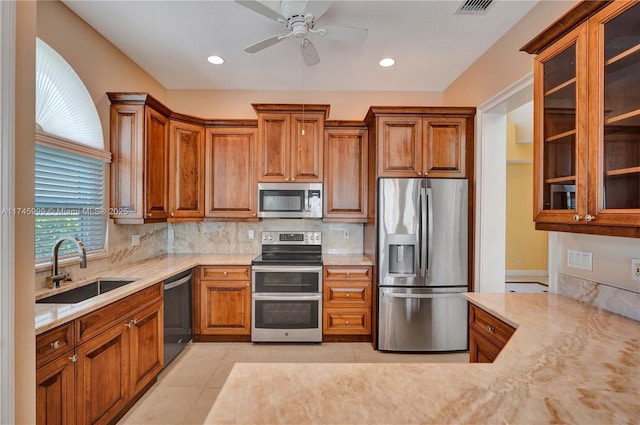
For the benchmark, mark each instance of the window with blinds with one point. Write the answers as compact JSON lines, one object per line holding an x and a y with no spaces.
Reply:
{"x":69,"y":201}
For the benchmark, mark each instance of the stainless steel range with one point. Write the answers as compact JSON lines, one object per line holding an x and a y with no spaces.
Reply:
{"x":287,"y":288}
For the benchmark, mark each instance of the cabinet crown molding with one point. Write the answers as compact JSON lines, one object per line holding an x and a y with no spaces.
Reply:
{"x":419,"y":110}
{"x":291,"y":107}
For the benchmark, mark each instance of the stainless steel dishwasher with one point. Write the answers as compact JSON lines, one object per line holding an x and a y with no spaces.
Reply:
{"x":178,"y":312}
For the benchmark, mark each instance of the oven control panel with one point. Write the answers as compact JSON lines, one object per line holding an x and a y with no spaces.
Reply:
{"x":291,"y":238}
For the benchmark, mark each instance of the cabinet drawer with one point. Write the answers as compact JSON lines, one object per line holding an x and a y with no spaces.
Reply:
{"x":347,"y":294}
{"x":491,"y":327}
{"x":347,"y":321}
{"x":120,"y":311}
{"x":347,"y":273}
{"x":54,"y":343}
{"x":225,"y":273}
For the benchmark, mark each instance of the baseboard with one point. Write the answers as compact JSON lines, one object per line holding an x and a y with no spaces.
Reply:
{"x":526,"y":273}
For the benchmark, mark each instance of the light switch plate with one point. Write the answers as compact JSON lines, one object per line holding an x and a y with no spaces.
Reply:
{"x":582,"y":260}
{"x":135,"y":240}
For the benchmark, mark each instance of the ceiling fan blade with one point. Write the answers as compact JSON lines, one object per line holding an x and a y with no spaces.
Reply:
{"x":309,"y":53}
{"x":261,"y":9}
{"x":264,"y":43}
{"x":344,"y":33}
{"x":317,"y":8}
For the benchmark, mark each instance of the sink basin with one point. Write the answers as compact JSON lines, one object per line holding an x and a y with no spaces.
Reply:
{"x":85,"y":292}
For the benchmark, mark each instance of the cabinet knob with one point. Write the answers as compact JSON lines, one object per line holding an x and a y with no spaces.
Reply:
{"x":589,"y":218}
{"x":225,"y":273}
{"x":287,"y":179}
{"x":172,"y":214}
{"x":131,"y":323}
{"x":348,"y":295}
{"x":74,"y":358}
{"x":346,"y":322}
{"x":577,"y":217}
{"x":248,"y":283}
{"x":490,"y":328}
{"x":55,"y":345}
{"x":347,"y":274}
{"x":419,"y":173}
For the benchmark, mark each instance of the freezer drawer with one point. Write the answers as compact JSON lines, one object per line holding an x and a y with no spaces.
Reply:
{"x":418,"y":319}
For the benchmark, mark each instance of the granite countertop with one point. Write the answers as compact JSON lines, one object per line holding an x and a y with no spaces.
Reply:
{"x":147,"y":273}
{"x":567,"y":362}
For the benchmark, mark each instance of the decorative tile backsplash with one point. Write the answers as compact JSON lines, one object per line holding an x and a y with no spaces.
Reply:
{"x":620,"y":301}
{"x":233,"y":237}
{"x":206,"y":238}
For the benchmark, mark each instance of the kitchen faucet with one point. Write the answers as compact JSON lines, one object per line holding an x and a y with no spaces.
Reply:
{"x":53,"y":281}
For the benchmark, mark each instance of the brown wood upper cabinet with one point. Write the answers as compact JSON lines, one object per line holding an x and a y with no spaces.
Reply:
{"x":290,"y":142}
{"x":140,"y":149}
{"x":421,"y":142}
{"x":345,"y":174}
{"x":230,"y":182}
{"x":587,"y":121}
{"x":186,"y":171}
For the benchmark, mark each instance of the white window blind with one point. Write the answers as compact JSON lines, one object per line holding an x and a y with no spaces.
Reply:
{"x":69,"y":192}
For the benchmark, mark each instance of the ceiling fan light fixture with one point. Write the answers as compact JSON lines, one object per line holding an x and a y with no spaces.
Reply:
{"x":216,"y":60}
{"x":387,"y":62}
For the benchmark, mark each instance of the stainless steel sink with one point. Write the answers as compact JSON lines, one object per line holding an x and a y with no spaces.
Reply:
{"x":85,"y":292}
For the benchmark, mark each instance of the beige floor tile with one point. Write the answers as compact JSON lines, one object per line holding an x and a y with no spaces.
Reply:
{"x":220,"y":374}
{"x":190,"y":372}
{"x":164,"y":405}
{"x":198,"y":413}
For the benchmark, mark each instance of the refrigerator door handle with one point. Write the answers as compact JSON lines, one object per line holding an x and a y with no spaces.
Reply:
{"x":423,"y":232}
{"x":429,"y":230}
{"x":412,"y":296}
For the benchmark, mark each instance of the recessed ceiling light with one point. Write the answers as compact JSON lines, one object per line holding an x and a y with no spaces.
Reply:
{"x":387,"y":62}
{"x":216,"y":60}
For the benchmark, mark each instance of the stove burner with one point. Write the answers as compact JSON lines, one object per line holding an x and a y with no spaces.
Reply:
{"x":290,"y":248}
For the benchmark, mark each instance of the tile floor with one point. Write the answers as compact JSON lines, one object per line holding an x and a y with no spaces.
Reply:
{"x":188,"y":387}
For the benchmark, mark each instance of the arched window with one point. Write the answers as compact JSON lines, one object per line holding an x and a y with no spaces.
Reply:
{"x":70,"y":159}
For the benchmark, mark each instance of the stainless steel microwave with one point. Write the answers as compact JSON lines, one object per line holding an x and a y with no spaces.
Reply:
{"x":290,"y":200}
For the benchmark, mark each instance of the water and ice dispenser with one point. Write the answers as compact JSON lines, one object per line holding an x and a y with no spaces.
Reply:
{"x":401,"y":251}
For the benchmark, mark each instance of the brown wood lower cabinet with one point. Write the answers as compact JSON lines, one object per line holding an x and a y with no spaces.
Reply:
{"x":347,"y":303}
{"x":223,"y":303}
{"x":90,"y":370}
{"x":487,"y":335}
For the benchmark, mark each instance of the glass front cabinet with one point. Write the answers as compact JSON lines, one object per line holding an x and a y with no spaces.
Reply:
{"x":587,"y":122}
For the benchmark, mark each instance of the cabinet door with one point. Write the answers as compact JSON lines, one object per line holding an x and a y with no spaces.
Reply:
{"x":614,"y":137}
{"x":274,"y":132}
{"x":156,"y":153}
{"x":55,"y":392}
{"x":230,"y":183}
{"x":345,"y":176}
{"x":306,"y":147}
{"x":146,"y":346}
{"x":480,"y":349}
{"x":560,"y":124}
{"x":127,"y":162}
{"x":225,"y":307}
{"x":444,"y":147}
{"x":399,"y":146}
{"x":103,"y":376}
{"x":186,"y":171}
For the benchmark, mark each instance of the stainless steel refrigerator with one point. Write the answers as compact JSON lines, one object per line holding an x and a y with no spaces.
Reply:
{"x":422,"y":257}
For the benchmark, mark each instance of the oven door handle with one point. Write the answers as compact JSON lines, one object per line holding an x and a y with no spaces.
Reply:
{"x":287,"y":297}
{"x":285,"y":269}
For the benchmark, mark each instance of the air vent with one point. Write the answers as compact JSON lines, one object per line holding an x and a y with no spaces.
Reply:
{"x":474,"y":7}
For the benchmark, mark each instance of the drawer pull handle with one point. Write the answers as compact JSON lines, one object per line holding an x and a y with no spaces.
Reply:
{"x":55,"y":345}
{"x":74,"y":358}
{"x":490,"y":328}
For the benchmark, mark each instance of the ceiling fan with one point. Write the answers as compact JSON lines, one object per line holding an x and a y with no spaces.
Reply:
{"x":300,"y":19}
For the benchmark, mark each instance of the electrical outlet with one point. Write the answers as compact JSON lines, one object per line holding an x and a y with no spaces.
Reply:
{"x":345,"y":234}
{"x":635,"y":269}
{"x":251,"y":234}
{"x":170,"y":232}
{"x":135,"y":240}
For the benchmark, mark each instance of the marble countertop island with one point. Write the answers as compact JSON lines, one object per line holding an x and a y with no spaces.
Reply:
{"x":567,"y":362}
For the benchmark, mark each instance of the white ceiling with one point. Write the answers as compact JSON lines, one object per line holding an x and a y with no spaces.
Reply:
{"x":172,"y":39}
